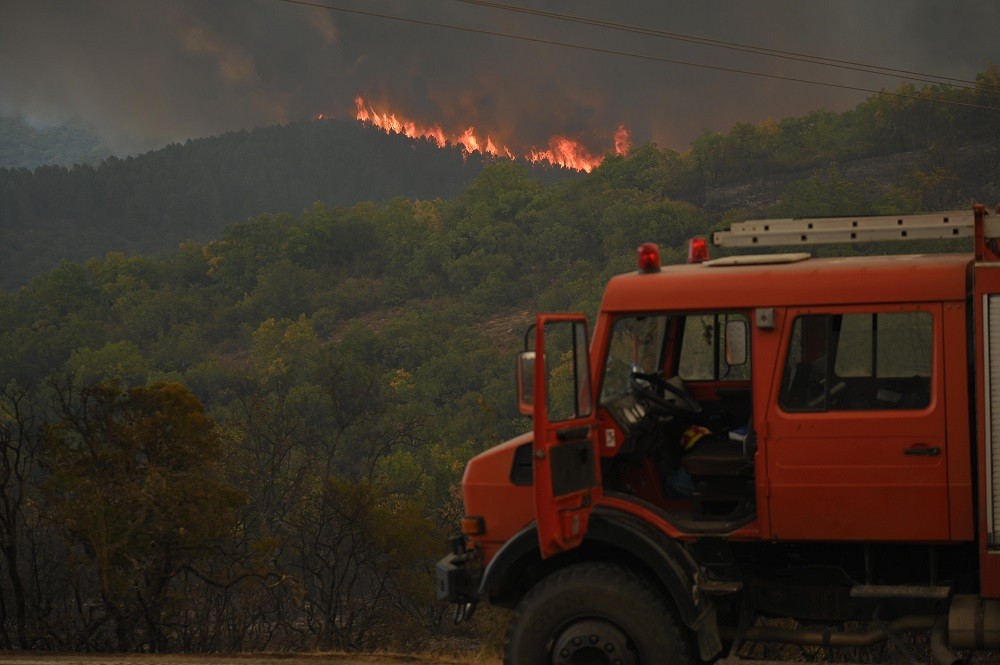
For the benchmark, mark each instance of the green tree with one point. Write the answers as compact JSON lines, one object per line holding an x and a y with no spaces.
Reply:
{"x":134,"y":480}
{"x":120,"y":361}
{"x":828,"y":195}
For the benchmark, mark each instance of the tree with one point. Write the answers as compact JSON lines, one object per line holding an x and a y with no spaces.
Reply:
{"x":710,"y":158}
{"x":18,"y":449}
{"x":934,"y":189}
{"x":120,"y":361}
{"x":311,"y":429}
{"x":830,"y":195}
{"x":134,"y":481}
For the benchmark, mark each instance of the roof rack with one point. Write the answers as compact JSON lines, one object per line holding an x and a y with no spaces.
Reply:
{"x":825,"y":230}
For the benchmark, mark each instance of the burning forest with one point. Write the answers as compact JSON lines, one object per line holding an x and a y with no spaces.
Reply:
{"x":560,"y":151}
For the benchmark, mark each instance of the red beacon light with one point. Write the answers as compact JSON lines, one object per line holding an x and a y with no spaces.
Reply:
{"x":697,"y":249}
{"x":648,"y":256}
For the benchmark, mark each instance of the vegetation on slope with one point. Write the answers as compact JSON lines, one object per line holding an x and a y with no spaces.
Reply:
{"x":150,"y":203}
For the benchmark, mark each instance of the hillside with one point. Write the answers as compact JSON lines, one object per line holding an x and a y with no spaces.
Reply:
{"x":150,"y":203}
{"x":969,"y":176}
{"x":903,"y":149}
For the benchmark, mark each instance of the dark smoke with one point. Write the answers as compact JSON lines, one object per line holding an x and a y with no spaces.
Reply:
{"x":146,"y":73}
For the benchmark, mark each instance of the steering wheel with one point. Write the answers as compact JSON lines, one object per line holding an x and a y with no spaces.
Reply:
{"x":647,"y":389}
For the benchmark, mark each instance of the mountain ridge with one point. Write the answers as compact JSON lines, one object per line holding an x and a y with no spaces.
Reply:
{"x":149,"y":203}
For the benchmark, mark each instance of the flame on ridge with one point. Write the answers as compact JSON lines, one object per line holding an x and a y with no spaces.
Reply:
{"x":561,"y":151}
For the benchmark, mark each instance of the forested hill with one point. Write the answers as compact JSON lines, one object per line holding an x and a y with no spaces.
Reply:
{"x":150,"y":203}
{"x":899,"y":150}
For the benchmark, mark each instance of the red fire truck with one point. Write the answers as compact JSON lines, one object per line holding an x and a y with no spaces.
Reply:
{"x":759,"y":435}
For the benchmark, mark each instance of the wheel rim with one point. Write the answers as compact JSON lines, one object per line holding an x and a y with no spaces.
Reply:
{"x":593,"y":642}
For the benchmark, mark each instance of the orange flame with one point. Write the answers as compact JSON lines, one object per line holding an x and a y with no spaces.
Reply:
{"x":623,"y":141}
{"x":562,"y":151}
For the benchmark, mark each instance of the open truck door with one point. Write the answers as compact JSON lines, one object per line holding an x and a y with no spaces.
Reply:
{"x":555,"y":387}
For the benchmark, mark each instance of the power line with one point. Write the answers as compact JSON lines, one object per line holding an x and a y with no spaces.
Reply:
{"x":746,"y":48}
{"x":640,"y":56}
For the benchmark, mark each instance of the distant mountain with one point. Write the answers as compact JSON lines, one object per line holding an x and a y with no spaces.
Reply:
{"x":150,"y":203}
{"x":22,"y":145}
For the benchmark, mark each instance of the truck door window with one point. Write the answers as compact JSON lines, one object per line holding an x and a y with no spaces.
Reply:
{"x":878,"y":360}
{"x":703,"y":350}
{"x":567,"y":378}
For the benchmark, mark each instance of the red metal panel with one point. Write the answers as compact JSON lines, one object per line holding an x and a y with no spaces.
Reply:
{"x":960,"y":488}
{"x":815,"y":282}
{"x":845,"y":475}
{"x":561,"y":517}
{"x":489,"y":493}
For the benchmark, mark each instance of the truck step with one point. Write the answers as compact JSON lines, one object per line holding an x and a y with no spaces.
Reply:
{"x":720,"y":587}
{"x":900,"y":591}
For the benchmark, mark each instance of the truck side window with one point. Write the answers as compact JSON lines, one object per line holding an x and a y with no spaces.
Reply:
{"x":878,"y":360}
{"x":703,"y":350}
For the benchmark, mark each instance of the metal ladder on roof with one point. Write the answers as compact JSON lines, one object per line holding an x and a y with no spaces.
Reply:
{"x":832,"y":230}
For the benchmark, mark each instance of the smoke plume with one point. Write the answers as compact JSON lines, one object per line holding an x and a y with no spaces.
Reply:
{"x":146,"y":73}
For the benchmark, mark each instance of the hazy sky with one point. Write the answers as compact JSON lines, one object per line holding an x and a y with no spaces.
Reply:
{"x":146,"y":72}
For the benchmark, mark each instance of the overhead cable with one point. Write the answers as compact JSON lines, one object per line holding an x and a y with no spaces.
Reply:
{"x":640,"y":56}
{"x":867,"y":68}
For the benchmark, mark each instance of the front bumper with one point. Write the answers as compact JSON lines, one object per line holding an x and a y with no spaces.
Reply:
{"x":459,"y":574}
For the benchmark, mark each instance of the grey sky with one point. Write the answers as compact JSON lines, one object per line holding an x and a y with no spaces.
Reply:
{"x":145,"y":72}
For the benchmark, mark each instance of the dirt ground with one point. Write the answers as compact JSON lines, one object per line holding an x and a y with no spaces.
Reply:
{"x":32,"y":658}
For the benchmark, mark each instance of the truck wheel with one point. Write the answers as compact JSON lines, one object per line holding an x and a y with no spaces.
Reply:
{"x":594,"y":614}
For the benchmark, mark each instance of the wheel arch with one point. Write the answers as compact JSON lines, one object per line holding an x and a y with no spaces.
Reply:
{"x":614,"y":536}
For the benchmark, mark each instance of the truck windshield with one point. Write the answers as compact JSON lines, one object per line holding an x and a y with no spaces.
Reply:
{"x":636,"y":345}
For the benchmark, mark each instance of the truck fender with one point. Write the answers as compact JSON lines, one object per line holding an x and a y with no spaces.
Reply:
{"x":664,"y":557}
{"x":668,"y":560}
{"x":499,"y":582}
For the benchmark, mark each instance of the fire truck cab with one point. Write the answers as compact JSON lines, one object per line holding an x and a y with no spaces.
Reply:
{"x":760,"y":435}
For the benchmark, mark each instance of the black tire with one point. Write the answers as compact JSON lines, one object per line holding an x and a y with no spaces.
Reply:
{"x":595,"y":614}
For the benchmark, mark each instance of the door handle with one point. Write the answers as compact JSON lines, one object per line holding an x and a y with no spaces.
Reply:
{"x":923,"y":449}
{"x":573,"y":433}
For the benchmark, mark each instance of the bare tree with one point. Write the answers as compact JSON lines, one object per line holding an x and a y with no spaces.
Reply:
{"x":18,"y":450}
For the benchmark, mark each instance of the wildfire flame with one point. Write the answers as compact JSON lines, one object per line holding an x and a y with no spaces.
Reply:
{"x":561,"y":150}
{"x":623,"y":141}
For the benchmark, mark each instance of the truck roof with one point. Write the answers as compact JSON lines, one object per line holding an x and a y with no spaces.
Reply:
{"x":828,"y":281}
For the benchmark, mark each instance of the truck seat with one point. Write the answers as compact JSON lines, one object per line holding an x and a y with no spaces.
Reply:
{"x":721,"y":470}
{"x":719,"y":455}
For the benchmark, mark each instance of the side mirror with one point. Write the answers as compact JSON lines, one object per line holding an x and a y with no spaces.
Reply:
{"x":736,"y":342}
{"x":526,"y":382}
